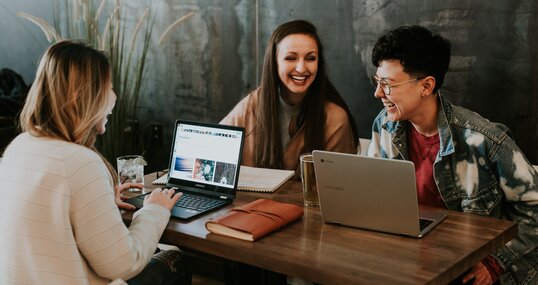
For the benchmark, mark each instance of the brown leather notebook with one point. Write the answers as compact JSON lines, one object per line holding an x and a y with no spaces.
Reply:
{"x":255,"y":220}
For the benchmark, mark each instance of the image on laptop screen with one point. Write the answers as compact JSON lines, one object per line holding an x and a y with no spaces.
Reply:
{"x":206,"y":157}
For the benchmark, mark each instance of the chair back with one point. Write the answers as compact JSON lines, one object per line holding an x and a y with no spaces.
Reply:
{"x":363,"y":146}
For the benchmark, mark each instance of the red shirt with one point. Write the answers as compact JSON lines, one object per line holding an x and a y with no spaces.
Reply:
{"x":422,"y":152}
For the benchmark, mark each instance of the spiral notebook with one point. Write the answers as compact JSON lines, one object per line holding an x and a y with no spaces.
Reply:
{"x":253,"y":179}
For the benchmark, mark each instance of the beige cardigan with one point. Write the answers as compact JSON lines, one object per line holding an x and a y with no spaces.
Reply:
{"x":338,"y":132}
{"x":58,"y":220}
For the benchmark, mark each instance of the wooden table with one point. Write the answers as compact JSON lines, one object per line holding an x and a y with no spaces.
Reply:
{"x":331,"y":254}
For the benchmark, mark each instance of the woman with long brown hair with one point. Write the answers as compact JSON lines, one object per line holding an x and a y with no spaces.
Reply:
{"x":296,"y":108}
{"x":60,"y":219}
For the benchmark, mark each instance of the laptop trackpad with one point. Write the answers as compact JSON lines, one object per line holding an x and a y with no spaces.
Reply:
{"x":183,"y":213}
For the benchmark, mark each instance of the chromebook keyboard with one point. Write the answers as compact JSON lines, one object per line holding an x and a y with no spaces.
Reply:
{"x":423,"y":223}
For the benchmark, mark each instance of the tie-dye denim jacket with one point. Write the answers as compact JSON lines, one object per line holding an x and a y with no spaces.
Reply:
{"x":479,"y":169}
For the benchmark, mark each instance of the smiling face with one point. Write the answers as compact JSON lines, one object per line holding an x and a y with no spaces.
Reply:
{"x":297,"y":60}
{"x":405,"y":101}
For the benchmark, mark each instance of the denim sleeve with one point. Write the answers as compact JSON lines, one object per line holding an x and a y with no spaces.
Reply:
{"x":518,"y":180}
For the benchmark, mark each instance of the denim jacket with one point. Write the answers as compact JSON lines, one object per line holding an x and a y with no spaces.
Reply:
{"x":479,"y":169}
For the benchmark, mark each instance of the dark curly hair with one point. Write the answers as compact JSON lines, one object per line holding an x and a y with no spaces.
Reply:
{"x":420,"y":52}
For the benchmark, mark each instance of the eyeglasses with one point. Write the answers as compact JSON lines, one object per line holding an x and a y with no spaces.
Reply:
{"x":386,"y":87}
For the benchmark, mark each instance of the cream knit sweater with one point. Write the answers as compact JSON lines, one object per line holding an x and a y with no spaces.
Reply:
{"x":58,"y":220}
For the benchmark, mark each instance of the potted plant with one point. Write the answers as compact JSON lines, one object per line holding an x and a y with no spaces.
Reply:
{"x":104,"y":25}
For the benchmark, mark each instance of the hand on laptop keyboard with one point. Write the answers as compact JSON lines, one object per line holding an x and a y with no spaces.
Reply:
{"x":164,"y":197}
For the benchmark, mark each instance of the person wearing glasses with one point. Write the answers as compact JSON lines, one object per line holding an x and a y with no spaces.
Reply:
{"x":463,"y":162}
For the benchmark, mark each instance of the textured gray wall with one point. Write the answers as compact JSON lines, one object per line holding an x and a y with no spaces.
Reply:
{"x":21,"y":42}
{"x":213,"y":59}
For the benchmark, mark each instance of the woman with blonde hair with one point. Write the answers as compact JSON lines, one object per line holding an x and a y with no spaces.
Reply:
{"x":60,"y":220}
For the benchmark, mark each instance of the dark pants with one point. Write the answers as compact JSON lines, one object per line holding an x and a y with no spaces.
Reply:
{"x":243,"y":274}
{"x":168,"y":267}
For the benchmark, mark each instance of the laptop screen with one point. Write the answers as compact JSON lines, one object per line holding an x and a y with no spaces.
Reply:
{"x":206,"y":157}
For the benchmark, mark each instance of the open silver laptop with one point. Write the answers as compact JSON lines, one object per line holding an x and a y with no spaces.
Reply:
{"x":371,"y":193}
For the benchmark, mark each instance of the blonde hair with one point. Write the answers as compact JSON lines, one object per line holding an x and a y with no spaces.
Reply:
{"x":69,"y":96}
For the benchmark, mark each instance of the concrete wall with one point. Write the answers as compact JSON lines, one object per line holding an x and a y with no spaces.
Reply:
{"x":213,"y":59}
{"x":22,"y":43}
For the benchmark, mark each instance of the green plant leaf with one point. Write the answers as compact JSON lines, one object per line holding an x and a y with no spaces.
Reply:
{"x":81,"y":20}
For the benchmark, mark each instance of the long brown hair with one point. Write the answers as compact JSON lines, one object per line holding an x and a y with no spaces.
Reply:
{"x":269,"y":152}
{"x":69,"y":96}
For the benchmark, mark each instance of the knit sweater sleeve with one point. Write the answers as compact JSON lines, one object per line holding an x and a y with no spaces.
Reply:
{"x":111,"y":249}
{"x":338,"y":131}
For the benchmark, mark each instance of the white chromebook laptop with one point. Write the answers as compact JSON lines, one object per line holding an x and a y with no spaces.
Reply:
{"x":371,"y":193}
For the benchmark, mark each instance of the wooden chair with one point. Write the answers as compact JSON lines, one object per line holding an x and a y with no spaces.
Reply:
{"x":363,"y":146}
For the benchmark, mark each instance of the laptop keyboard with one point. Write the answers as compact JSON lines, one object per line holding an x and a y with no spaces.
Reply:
{"x":423,"y":223}
{"x":198,"y":203}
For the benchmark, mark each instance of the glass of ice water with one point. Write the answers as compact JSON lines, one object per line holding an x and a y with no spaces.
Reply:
{"x":131,"y":170}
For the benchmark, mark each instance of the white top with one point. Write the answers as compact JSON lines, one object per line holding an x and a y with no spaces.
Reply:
{"x":59,"y":223}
